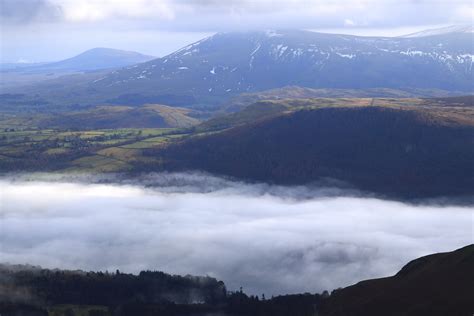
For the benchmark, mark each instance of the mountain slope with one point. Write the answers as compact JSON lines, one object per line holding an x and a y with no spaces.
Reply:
{"x":438,"y":284}
{"x":401,"y":152}
{"x":227,"y":64}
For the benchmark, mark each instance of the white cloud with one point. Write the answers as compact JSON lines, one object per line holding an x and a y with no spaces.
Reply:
{"x":97,"y":10}
{"x":264,"y":238}
{"x":312,"y":13}
{"x":349,"y":22}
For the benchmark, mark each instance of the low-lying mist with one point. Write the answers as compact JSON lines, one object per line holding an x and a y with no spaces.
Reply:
{"x":267,"y":239}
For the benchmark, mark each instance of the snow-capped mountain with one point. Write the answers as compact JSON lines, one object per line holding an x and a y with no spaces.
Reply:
{"x":231,"y":63}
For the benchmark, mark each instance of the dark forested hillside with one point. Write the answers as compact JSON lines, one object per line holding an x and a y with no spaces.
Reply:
{"x":400,"y":152}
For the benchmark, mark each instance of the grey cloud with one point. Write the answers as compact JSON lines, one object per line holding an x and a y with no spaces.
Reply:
{"x":214,"y":15}
{"x":28,"y":11}
{"x":267,"y":239}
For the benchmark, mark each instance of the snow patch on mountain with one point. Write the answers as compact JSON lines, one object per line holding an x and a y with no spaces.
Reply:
{"x":272,"y":33}
{"x":349,"y":56}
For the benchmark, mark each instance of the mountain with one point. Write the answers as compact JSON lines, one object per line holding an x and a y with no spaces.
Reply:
{"x":90,"y":60}
{"x":397,"y":150}
{"x":438,"y":284}
{"x":227,"y":64}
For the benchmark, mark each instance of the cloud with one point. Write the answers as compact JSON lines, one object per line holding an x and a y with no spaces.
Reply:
{"x":349,"y":22}
{"x":268,"y":239}
{"x":203,"y":14}
{"x":95,"y":10}
{"x":28,"y":11}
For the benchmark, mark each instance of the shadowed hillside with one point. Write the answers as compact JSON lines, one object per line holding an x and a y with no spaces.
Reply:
{"x":399,"y":152}
{"x":439,"y":284}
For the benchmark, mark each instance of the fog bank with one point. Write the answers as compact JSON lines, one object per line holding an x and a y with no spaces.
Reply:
{"x":267,"y":239}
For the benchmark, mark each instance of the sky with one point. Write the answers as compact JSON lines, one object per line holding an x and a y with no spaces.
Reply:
{"x":48,"y":30}
{"x":267,"y":239}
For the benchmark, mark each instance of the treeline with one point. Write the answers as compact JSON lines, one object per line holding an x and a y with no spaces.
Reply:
{"x":32,"y":291}
{"x":52,"y":287}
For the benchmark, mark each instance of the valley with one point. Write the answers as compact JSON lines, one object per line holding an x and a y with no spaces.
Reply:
{"x":251,"y":172}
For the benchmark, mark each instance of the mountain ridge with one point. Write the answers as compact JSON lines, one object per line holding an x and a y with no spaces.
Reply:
{"x":442,"y":31}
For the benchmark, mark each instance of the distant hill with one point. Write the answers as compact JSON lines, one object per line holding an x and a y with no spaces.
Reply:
{"x":396,"y":150}
{"x":46,"y":77}
{"x":90,"y":60}
{"x":150,"y":115}
{"x":439,"y":284}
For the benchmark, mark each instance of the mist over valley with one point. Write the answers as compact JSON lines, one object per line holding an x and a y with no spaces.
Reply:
{"x":267,"y":239}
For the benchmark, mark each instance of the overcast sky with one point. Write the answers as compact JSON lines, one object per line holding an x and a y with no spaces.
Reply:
{"x":44,"y":30}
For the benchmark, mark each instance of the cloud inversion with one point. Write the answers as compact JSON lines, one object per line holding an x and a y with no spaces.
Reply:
{"x":245,"y":235}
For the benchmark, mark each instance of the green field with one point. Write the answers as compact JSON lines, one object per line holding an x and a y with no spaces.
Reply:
{"x":107,"y":150}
